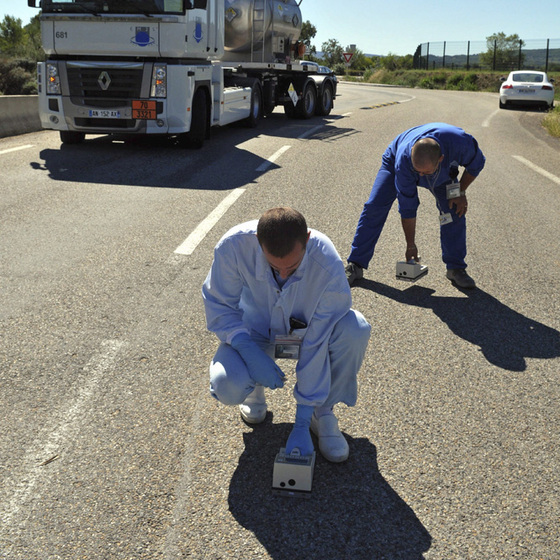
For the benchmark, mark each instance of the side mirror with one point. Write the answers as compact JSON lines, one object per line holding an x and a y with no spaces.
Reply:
{"x":31,"y":3}
{"x":502,"y":79}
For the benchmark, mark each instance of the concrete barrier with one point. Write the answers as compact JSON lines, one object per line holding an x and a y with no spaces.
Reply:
{"x":19,"y":114}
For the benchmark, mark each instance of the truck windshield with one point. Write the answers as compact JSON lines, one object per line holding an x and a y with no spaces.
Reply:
{"x":147,"y":7}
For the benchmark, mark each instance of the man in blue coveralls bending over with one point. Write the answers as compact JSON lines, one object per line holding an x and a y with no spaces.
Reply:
{"x":428,"y":156}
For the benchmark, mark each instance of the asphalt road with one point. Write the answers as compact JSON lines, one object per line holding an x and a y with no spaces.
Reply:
{"x":112,"y":448}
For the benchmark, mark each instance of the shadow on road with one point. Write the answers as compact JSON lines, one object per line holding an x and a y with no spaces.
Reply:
{"x":152,"y":161}
{"x":505,"y":337}
{"x":352,"y":512}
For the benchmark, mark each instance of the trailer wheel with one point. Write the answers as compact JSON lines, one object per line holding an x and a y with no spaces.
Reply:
{"x":306,"y":106}
{"x":71,"y":137}
{"x":325,"y":101}
{"x":256,"y":106}
{"x":199,"y":123}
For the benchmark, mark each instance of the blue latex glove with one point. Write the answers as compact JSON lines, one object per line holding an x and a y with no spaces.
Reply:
{"x":300,"y":437}
{"x":262,"y":368}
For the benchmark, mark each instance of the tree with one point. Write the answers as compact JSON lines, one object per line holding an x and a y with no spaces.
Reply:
{"x":308,"y":31}
{"x":12,"y":36}
{"x":333,"y":53}
{"x":503,"y":52}
{"x":33,"y":48}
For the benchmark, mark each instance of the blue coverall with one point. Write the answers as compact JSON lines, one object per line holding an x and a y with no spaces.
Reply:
{"x":398,"y":179}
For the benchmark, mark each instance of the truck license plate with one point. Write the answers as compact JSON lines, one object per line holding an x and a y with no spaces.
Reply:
{"x":143,"y":109}
{"x":104,"y":114}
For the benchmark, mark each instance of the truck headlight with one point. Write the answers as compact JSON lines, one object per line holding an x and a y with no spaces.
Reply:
{"x":159,"y":81}
{"x":53,"y":79}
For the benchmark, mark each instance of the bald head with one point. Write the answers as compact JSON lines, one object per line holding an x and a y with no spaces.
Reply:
{"x":426,"y":154}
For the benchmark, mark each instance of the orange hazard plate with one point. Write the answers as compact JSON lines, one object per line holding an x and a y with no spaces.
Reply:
{"x":143,"y":109}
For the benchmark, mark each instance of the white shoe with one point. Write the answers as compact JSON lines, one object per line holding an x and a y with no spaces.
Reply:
{"x":332,"y":444}
{"x":253,"y":410}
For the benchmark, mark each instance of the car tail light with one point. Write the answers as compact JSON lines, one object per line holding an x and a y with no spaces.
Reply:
{"x":507,"y":86}
{"x":547,"y":87}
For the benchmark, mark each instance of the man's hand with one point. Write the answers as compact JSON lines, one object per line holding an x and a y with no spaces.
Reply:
{"x":300,"y":437}
{"x":262,"y":368}
{"x":461,"y":205}
{"x":411,"y":253}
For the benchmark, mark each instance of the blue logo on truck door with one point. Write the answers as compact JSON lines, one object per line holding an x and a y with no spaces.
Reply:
{"x":198,"y":30}
{"x":142,"y":37}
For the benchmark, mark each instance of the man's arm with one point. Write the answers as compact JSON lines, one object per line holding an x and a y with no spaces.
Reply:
{"x":409,"y":228}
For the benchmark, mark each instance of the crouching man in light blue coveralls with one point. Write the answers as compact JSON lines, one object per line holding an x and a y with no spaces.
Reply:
{"x":428,"y":156}
{"x":271,"y":279}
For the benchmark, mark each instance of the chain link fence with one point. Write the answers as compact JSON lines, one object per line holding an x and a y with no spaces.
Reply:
{"x":536,"y":54}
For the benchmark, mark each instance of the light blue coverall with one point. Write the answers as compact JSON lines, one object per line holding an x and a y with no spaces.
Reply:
{"x":398,"y":179}
{"x":241,"y":294}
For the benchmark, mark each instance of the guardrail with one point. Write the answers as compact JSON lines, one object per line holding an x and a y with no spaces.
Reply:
{"x":19,"y":114}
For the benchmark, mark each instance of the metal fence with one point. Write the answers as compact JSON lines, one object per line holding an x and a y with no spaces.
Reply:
{"x":535,"y":54}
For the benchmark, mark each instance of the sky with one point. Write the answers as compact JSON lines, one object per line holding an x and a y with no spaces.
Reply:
{"x":399,"y":26}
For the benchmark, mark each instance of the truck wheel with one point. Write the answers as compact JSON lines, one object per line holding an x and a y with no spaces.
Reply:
{"x":306,"y":105}
{"x":256,"y":106}
{"x":199,"y":123}
{"x":325,"y":101}
{"x":71,"y":137}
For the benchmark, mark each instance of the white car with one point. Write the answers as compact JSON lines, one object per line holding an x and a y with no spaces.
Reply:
{"x":527,"y":87}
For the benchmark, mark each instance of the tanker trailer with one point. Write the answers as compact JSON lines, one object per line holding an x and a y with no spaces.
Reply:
{"x":262,"y":30}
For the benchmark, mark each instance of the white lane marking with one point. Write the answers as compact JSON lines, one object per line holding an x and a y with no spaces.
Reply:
{"x":266,"y":164}
{"x":538,"y":169}
{"x":16,"y":149}
{"x":183,"y":490}
{"x":200,"y":232}
{"x":24,"y":483}
{"x":486,"y":123}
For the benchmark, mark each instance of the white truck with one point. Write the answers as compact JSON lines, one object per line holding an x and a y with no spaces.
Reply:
{"x":173,"y":67}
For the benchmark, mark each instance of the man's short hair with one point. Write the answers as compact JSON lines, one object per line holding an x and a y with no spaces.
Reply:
{"x":279,"y":229}
{"x":425,"y":151}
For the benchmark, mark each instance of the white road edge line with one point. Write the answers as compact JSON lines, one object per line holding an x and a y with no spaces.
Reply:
{"x":486,"y":123}
{"x":16,"y":149}
{"x":266,"y":164}
{"x":47,"y":447}
{"x":538,"y":169}
{"x":200,"y":232}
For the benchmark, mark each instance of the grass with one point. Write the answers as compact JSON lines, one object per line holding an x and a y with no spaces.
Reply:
{"x":552,"y":121}
{"x":460,"y":80}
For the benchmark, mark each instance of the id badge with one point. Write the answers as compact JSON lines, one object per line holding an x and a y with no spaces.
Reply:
{"x":287,"y":346}
{"x":445,"y":219}
{"x":453,"y":190}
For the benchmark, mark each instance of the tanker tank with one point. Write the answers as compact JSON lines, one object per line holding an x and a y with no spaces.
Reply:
{"x":261,"y":30}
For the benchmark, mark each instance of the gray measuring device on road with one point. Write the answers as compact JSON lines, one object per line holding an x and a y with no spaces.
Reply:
{"x":411,"y":270}
{"x":293,"y":474}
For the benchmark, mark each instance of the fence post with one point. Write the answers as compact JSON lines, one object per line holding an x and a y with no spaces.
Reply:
{"x":468,"y":54}
{"x":444,"y":45}
{"x":547,"y":49}
{"x":519,"y":61}
{"x":494,"y":57}
{"x":427,"y":56}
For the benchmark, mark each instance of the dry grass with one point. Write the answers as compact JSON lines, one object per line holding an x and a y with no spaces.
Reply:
{"x":552,"y":122}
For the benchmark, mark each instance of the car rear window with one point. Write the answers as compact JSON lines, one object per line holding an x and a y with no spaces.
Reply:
{"x":527,"y":77}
